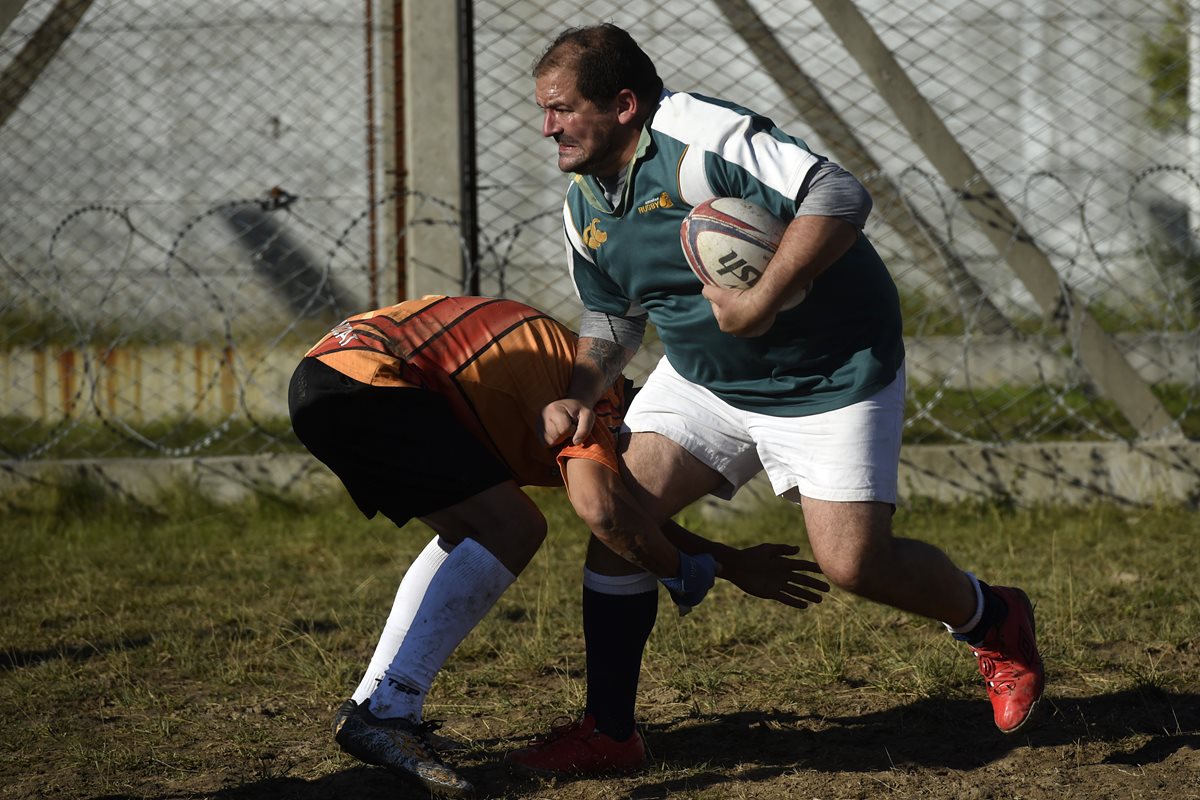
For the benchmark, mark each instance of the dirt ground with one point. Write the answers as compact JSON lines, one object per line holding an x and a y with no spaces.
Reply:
{"x":845,"y":744}
{"x":209,"y":669}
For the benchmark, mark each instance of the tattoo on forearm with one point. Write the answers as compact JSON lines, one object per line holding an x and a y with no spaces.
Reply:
{"x":608,"y":357}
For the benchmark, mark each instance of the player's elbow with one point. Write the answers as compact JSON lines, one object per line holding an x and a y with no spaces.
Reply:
{"x":598,"y":511}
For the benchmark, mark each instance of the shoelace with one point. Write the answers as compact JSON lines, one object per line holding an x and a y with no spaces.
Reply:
{"x":992,"y":667}
{"x":424,"y":731}
{"x":560,"y":728}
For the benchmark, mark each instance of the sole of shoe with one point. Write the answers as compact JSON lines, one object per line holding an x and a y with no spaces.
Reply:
{"x":409,"y":776}
{"x":434,"y":788}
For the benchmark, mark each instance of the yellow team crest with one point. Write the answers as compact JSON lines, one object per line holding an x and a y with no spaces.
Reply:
{"x":593,"y":237}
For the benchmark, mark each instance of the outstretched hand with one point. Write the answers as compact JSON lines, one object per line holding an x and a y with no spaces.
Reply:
{"x":765,"y":571}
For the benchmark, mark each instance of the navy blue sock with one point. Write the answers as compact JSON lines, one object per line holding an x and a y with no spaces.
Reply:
{"x":994,"y":612}
{"x":615,"y":630}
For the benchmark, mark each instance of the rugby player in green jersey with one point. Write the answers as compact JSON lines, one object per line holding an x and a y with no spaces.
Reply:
{"x":813,"y":395}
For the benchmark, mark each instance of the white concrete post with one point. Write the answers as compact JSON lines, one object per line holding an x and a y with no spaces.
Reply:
{"x":1193,"y":124}
{"x":433,"y":245}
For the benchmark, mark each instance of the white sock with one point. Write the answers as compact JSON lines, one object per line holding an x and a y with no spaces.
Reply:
{"x":463,"y":590}
{"x":408,"y":597}
{"x":970,"y":624}
{"x":620,"y":584}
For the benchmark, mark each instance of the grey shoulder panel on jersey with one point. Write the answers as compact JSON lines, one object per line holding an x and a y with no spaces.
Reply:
{"x":625,"y":331}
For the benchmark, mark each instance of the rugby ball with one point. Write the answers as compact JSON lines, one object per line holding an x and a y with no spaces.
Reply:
{"x":728,"y":242}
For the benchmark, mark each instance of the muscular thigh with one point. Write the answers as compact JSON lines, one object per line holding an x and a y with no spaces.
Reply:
{"x":844,"y":535}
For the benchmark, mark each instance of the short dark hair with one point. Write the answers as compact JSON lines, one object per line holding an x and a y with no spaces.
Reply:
{"x":605,"y":59}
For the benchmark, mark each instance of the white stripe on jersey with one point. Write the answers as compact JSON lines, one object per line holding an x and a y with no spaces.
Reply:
{"x":574,"y":241}
{"x":694,"y":188}
{"x":725,"y":132}
{"x":574,"y":245}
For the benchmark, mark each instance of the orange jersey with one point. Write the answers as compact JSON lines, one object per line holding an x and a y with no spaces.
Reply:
{"x":497,"y":362}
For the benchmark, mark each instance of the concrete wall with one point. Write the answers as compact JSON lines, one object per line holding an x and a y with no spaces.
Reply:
{"x":1073,"y":474}
{"x":144,"y":383}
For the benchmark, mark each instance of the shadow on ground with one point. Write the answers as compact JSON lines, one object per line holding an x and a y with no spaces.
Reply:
{"x":21,"y":659}
{"x":935,"y":734}
{"x":1143,"y":726}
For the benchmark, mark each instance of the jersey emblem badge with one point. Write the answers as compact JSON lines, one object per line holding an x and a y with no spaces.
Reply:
{"x":593,"y":237}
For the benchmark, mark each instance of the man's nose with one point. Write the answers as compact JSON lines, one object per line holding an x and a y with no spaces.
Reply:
{"x":550,"y":124}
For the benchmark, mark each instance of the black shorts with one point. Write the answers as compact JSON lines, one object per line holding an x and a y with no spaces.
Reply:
{"x":397,"y":450}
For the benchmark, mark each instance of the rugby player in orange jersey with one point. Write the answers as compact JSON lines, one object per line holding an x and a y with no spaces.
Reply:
{"x":432,"y":409}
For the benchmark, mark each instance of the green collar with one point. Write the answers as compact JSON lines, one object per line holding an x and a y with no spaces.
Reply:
{"x":591,"y":189}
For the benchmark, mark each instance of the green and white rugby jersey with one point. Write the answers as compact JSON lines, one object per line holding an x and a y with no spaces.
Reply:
{"x":840,"y":346}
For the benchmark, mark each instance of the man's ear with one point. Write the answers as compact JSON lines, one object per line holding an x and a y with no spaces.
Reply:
{"x":627,"y":106}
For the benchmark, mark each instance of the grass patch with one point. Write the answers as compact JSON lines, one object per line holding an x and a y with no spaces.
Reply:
{"x":191,"y":650}
{"x":937,"y":415}
{"x":69,"y":438}
{"x":927,"y":314}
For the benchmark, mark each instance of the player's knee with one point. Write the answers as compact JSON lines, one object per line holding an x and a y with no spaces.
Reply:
{"x":596,"y":515}
{"x":858,"y":571}
{"x":849,"y":576}
{"x":855,"y":569}
{"x":527,"y":525}
{"x":514,"y":538}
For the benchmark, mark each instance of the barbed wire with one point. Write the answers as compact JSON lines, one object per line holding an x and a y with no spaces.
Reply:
{"x":959,"y":392}
{"x":145,"y":312}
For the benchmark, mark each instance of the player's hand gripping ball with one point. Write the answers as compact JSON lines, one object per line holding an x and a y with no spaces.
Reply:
{"x":728,"y":242}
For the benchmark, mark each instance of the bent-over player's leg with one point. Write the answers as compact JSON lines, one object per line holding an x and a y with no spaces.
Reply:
{"x":484,"y":542}
{"x":401,"y":452}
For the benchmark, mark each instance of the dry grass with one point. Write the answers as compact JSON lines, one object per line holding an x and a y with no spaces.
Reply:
{"x":197,"y":652}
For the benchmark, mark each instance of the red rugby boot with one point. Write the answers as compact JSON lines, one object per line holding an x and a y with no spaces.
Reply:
{"x":577,"y":748}
{"x":1010,"y":664}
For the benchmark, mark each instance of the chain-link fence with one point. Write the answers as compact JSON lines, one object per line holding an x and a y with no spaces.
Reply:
{"x":1076,"y":114}
{"x":184,"y":206}
{"x":191,"y":190}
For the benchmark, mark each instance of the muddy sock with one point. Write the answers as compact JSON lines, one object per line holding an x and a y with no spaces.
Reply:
{"x":463,"y":590}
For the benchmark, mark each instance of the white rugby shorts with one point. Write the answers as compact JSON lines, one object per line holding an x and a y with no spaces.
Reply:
{"x":851,"y":454}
